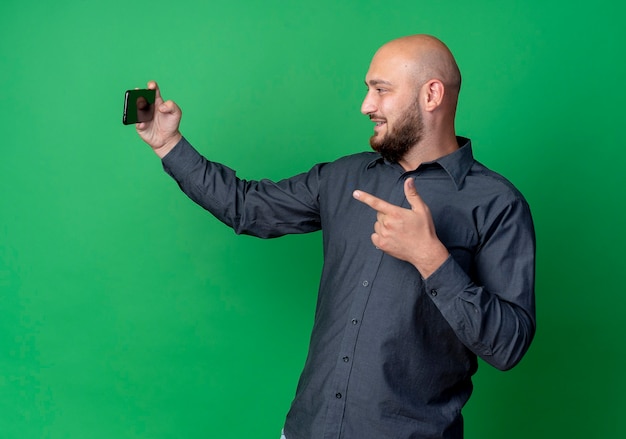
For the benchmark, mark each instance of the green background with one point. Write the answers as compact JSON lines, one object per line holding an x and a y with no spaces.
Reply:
{"x":126,"y":311}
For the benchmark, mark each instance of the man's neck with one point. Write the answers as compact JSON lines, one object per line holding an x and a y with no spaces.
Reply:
{"x":428,"y":150}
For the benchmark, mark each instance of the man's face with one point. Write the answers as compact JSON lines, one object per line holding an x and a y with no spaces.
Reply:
{"x":398,"y":133}
{"x":392,"y":104}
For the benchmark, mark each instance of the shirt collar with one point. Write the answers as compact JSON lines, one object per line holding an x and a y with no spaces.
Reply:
{"x":457,"y":164}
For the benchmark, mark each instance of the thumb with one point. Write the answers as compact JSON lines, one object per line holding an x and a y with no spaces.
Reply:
{"x":411,"y":193}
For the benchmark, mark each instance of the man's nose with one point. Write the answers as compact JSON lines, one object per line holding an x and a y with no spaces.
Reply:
{"x":368,"y":106}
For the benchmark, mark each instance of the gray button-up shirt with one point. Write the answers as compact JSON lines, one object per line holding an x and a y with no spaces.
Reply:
{"x":391,"y":353}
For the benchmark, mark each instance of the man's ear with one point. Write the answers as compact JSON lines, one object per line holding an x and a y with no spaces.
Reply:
{"x":433,"y":94}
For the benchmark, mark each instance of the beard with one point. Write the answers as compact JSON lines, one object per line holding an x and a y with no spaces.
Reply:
{"x":394,"y":145}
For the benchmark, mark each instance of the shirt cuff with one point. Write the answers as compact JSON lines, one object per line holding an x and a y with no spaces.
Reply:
{"x":446,"y":284}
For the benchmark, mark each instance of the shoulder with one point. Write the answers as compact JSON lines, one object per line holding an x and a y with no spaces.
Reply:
{"x":494,"y":198}
{"x":349,"y":164}
{"x":357,"y":159}
{"x":336,"y":173}
{"x":493,"y":181}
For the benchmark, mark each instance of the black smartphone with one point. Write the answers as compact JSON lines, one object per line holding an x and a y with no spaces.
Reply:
{"x":138,"y":106}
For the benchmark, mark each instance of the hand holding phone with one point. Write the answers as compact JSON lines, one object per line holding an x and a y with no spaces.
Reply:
{"x":138,"y":106}
{"x":161,"y":130}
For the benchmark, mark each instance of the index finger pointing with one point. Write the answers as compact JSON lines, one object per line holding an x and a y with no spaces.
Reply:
{"x":374,"y":202}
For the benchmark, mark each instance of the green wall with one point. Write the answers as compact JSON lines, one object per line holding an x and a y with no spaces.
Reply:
{"x":128,"y":312}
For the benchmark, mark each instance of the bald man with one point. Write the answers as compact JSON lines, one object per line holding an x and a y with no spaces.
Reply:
{"x":428,"y":255}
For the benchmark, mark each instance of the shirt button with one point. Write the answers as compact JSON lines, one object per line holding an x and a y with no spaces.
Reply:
{"x":346,"y":359}
{"x":338,"y":395}
{"x":433,"y":293}
{"x":365,"y":283}
{"x":355,"y":321}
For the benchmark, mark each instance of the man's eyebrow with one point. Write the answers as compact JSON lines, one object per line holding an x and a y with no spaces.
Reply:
{"x":375,"y":82}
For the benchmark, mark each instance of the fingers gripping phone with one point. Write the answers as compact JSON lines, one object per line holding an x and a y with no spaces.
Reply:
{"x":138,"y":106}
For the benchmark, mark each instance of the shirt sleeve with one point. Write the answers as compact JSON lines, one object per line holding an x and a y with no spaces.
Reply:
{"x":492,"y":309}
{"x":264,"y":208}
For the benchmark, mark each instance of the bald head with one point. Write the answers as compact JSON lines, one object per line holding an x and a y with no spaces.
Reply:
{"x":426,"y":58}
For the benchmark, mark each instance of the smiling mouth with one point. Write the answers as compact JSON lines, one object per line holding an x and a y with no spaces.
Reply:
{"x":378,"y":121}
{"x":378,"y":124}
